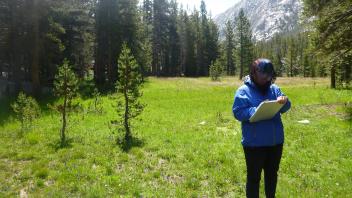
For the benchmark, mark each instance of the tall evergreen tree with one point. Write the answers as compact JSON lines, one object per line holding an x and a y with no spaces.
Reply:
{"x":245,"y":45}
{"x":204,"y":42}
{"x":116,"y":22}
{"x":291,"y":58}
{"x":229,"y":48}
{"x":174,"y":41}
{"x":333,"y":40}
{"x":30,"y":41}
{"x":213,"y":44}
{"x":146,"y":37}
{"x":160,"y":37}
{"x":78,"y":22}
{"x":188,"y":34}
{"x":147,"y":15}
{"x":108,"y":41}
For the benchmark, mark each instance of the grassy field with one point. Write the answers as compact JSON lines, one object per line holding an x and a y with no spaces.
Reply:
{"x":186,"y":145}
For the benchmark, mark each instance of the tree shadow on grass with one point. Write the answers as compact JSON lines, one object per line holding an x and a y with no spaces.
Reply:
{"x":57,"y":144}
{"x":5,"y":109}
{"x":127,"y":145}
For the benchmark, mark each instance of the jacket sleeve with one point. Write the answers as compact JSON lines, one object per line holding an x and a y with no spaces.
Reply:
{"x":287,"y":106}
{"x":241,"y":108}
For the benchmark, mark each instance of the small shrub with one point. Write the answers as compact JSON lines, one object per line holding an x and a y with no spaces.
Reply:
{"x":26,"y":109}
{"x":215,"y":71}
{"x":97,"y":105}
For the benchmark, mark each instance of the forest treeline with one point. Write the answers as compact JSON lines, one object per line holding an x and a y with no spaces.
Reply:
{"x":165,"y":38}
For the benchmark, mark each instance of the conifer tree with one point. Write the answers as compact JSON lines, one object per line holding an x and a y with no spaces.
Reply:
{"x":229,"y":48}
{"x":333,"y":40}
{"x":65,"y":87}
{"x":128,"y":90}
{"x":215,"y":71}
{"x":245,"y":45}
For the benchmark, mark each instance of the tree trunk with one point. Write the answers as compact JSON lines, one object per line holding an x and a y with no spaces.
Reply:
{"x":241,"y":52}
{"x":127,"y":127}
{"x":241,"y":62}
{"x":63,"y":137}
{"x":36,"y":49}
{"x":333,"y":77}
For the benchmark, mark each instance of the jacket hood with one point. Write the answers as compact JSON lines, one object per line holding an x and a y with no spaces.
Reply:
{"x":247,"y":81}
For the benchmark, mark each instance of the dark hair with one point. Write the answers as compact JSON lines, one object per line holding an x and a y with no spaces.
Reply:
{"x":266,"y":66}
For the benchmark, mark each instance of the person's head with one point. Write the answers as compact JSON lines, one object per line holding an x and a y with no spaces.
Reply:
{"x":262,"y":73}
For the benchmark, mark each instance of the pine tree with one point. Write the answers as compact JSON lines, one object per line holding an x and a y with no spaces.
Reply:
{"x":174,"y":41}
{"x":116,"y":22}
{"x":229,"y":48}
{"x":128,"y":89}
{"x":30,"y":41}
{"x":108,"y":42}
{"x":204,"y":42}
{"x":291,"y":58}
{"x":333,"y":39}
{"x":147,"y":18}
{"x":187,"y":39}
{"x":160,"y":40}
{"x":146,"y":33}
{"x":215,"y":71}
{"x":65,"y":87}
{"x":213,"y":44}
{"x":245,"y":45}
{"x":78,"y":22}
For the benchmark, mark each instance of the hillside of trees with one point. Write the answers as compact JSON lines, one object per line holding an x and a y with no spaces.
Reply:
{"x":166,"y":39}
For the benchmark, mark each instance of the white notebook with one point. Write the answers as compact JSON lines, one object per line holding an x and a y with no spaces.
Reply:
{"x":266,"y":110}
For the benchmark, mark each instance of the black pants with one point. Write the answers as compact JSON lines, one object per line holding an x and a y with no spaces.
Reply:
{"x":258,"y":158}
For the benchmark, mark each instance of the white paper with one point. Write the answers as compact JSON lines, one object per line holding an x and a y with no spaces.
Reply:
{"x":266,"y":110}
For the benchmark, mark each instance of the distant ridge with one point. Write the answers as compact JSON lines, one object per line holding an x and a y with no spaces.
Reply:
{"x":267,"y":17}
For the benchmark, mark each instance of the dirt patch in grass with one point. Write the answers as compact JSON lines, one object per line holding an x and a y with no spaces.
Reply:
{"x":340,"y":110}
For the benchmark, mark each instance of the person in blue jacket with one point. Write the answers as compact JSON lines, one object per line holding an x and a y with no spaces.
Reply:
{"x":263,"y":140}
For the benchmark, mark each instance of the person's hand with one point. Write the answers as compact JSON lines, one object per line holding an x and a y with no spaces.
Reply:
{"x":282,"y":99}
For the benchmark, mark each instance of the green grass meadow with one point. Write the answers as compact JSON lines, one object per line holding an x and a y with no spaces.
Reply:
{"x":187,"y":144}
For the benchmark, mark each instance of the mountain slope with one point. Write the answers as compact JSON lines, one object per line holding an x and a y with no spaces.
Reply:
{"x":267,"y":17}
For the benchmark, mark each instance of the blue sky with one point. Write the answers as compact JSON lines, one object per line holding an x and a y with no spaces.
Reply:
{"x":215,"y":6}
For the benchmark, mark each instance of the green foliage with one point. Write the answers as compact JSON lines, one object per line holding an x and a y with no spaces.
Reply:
{"x":182,"y":43}
{"x":66,"y":82}
{"x":77,"y":21}
{"x":97,"y":103}
{"x":26,"y":109}
{"x":128,"y":94}
{"x":230,"y":49}
{"x":66,"y":88}
{"x":292,"y":54}
{"x":216,"y":70}
{"x":147,"y":57}
{"x":116,"y":23}
{"x":245,"y":46}
{"x":37,"y":34}
{"x":333,"y":37}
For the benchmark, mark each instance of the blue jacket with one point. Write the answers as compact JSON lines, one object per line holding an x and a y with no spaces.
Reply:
{"x":262,"y":133}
